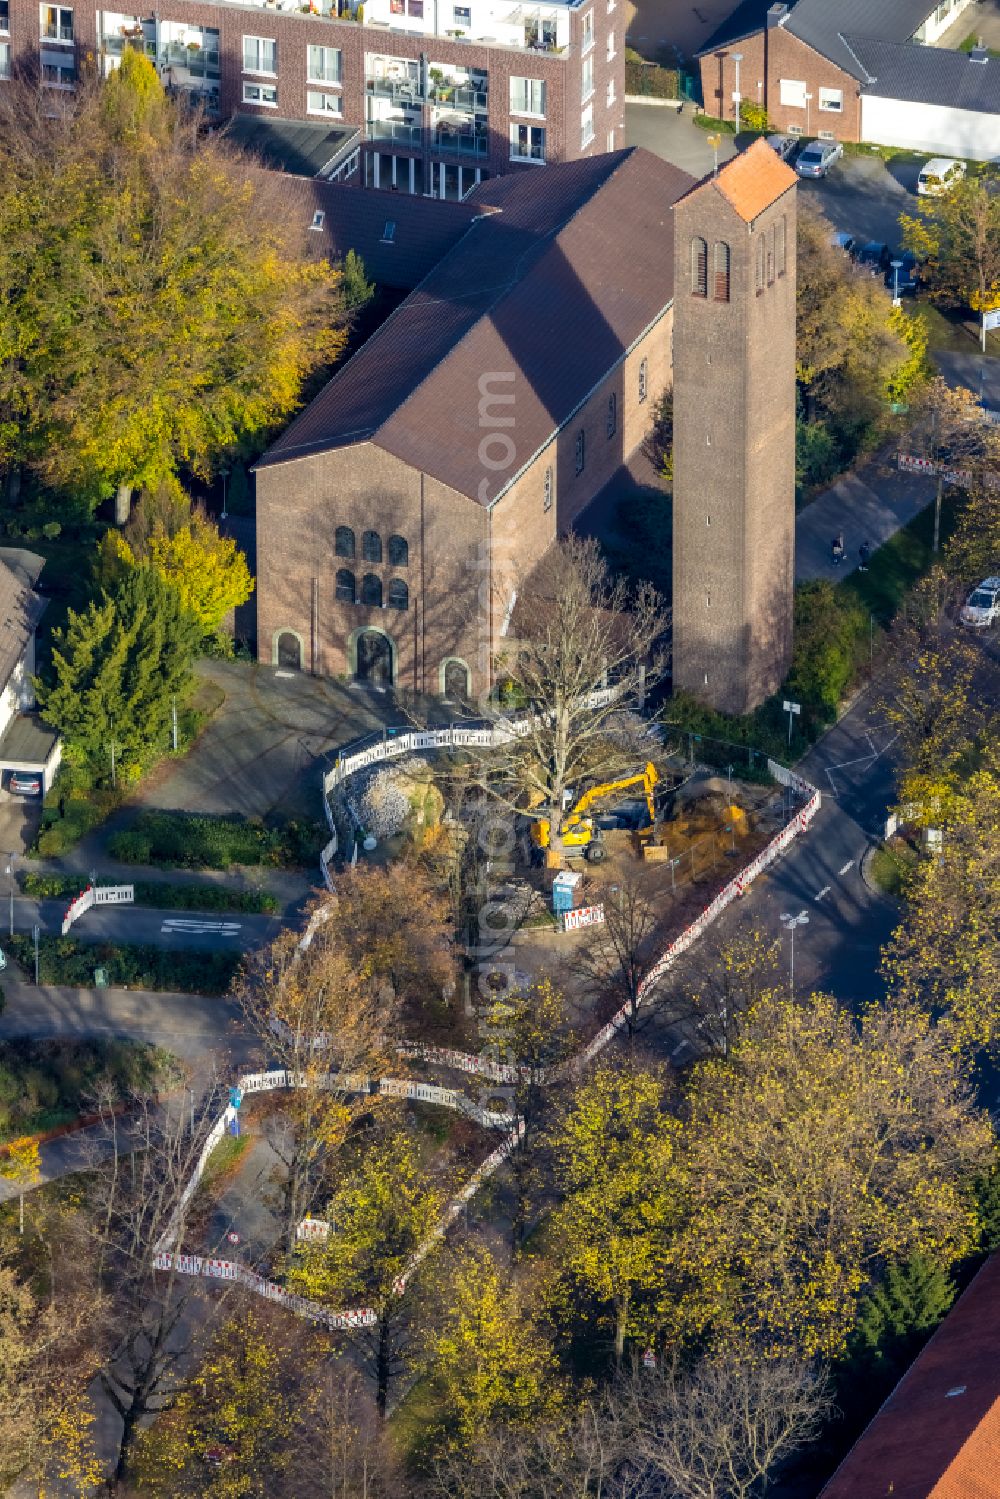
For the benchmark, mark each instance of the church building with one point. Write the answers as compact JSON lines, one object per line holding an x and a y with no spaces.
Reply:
{"x":399,"y":513}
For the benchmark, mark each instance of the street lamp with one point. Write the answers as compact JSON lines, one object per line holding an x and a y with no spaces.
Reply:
{"x":10,"y":876}
{"x":737,"y":59}
{"x":225,"y":476}
{"x":715,"y":141}
{"x":896,"y":267}
{"x":790,"y":922}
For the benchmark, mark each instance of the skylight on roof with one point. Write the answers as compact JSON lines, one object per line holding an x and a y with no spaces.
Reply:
{"x":389,"y":232}
{"x":318,"y":218}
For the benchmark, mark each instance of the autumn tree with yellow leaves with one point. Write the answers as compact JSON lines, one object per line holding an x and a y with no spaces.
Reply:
{"x":156,"y":314}
{"x":817,"y":1153}
{"x":385,"y":1215}
{"x":616,"y":1172}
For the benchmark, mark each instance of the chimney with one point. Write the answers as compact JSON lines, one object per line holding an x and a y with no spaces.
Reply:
{"x":777,"y":15}
{"x":979,"y":52}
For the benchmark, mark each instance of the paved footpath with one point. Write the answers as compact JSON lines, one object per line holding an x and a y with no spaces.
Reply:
{"x":868,"y":506}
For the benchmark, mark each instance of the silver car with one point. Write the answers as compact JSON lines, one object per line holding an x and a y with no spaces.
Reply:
{"x":816,"y":159}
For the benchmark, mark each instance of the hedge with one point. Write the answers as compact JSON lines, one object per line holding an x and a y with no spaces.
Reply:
{"x":193,"y":841}
{"x":650,"y":79}
{"x":160,"y":894}
{"x":64,"y":960}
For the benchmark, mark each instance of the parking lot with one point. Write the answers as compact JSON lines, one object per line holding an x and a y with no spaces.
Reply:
{"x":863,"y":196}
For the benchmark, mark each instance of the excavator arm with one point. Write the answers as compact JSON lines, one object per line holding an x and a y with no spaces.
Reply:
{"x":647,"y":778}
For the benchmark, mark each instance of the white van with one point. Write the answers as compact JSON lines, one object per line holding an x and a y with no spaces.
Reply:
{"x":938,"y":175}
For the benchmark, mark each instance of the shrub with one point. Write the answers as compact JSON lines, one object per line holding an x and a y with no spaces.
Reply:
{"x":59,"y":833}
{"x":650,"y":79}
{"x":160,"y":894}
{"x":831,"y":642}
{"x":64,"y":960}
{"x":817,"y":455}
{"x":130,"y":847}
{"x":753,"y":116}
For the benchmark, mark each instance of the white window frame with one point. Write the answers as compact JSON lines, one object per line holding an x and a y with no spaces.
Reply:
{"x":586,"y":127}
{"x":331,"y":108}
{"x":792,"y":93}
{"x":250,"y":88}
{"x":259,"y":72}
{"x":5,"y":61}
{"x":515,"y":155}
{"x":311,"y":77}
{"x":611,"y":46}
{"x":611,"y":140}
{"x":587,"y":79}
{"x":826,"y":98}
{"x":611,"y":92}
{"x":534,"y":84}
{"x":587,"y":23}
{"x":5,"y":21}
{"x":58,"y":40}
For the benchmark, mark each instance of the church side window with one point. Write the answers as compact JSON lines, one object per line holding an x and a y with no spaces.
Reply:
{"x":720,"y":271}
{"x":699,"y":268}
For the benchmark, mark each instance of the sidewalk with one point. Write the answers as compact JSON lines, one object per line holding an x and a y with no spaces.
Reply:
{"x":869,"y":506}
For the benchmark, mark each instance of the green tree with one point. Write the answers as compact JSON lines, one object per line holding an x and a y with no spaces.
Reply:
{"x":615,"y":1167}
{"x":158,"y":318}
{"x":831,"y":636}
{"x":957,"y":237}
{"x":21,"y":1164}
{"x":386,"y":1212}
{"x":896,"y":1317}
{"x":116,"y":668}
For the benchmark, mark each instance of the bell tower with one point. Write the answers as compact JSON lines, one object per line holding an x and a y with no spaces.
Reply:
{"x":734,"y":432}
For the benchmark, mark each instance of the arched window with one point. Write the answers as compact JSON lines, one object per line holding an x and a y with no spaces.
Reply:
{"x":699,"y":268}
{"x":371,"y":590}
{"x":399,"y":551}
{"x":720,"y":271}
{"x":770,"y":256}
{"x":612,"y":415}
{"x":759,"y":267}
{"x":346,"y":586}
{"x":581,"y":450}
{"x":779,"y":246}
{"x":371,"y":546}
{"x":398,"y":595}
{"x":343,"y":544}
{"x":643,"y":380}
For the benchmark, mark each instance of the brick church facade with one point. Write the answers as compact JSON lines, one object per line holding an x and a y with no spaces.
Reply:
{"x":400,"y":512}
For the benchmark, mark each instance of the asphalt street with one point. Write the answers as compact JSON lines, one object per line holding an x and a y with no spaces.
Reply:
{"x":197,"y":930}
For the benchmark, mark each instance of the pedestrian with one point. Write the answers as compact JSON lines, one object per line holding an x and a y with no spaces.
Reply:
{"x":864,"y":552}
{"x":837,"y":546}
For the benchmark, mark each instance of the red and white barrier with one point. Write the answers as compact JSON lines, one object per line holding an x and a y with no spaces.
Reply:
{"x":582,"y":916}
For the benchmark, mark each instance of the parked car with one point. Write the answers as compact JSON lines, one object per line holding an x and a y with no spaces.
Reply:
{"x":785,"y":145}
{"x":938,"y":175}
{"x":906,"y":280}
{"x":873,"y":256}
{"x":818,"y":157}
{"x":24,"y":783}
{"x":982,"y":608}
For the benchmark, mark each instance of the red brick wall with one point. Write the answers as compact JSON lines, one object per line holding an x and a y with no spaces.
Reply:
{"x":769,"y":56}
{"x":295,"y":32}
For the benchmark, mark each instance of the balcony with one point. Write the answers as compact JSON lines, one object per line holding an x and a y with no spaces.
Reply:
{"x":53,"y":33}
{"x":465,"y":100}
{"x":398,"y":131}
{"x":460,"y":140}
{"x":197,"y":62}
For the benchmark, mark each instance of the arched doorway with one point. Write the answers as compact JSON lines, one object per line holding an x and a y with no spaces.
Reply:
{"x":374,"y":662}
{"x":287,"y":650}
{"x":455,"y":680}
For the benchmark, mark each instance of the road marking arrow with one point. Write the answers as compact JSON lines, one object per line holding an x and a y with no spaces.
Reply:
{"x":825,"y":891}
{"x":847,"y":867}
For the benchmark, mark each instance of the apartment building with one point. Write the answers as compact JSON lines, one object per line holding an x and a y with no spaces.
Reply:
{"x":442,"y":95}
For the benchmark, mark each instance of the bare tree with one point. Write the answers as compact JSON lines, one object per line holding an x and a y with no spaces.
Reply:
{"x":141,"y":1201}
{"x":721,"y":979}
{"x":624,"y":948}
{"x":722,"y":1430}
{"x":329,"y":1027}
{"x":575,"y":630}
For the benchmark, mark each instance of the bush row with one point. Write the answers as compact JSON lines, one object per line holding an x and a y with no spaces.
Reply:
{"x":189,"y":841}
{"x":64,"y":960}
{"x":47,"y":1083}
{"x":160,"y":894}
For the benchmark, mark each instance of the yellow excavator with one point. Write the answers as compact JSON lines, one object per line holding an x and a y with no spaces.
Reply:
{"x":577,"y":828}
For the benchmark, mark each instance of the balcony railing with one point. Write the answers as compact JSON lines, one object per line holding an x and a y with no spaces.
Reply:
{"x":402,"y":91}
{"x":469,"y":100}
{"x":202,"y":63}
{"x":393,"y":130}
{"x":53,"y":33}
{"x":459,"y":142}
{"x":116,"y":45}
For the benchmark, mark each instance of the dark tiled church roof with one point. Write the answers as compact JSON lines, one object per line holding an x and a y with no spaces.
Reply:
{"x":564,"y":271}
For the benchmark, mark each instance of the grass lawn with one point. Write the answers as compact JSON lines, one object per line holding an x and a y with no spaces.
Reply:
{"x":949,"y":333}
{"x":891,"y":866}
{"x":897,"y":565}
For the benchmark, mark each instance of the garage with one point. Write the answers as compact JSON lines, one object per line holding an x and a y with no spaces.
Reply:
{"x":930,"y":100}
